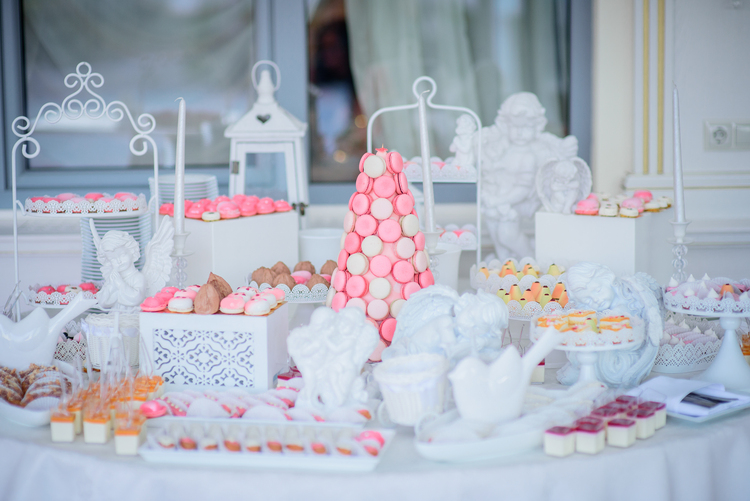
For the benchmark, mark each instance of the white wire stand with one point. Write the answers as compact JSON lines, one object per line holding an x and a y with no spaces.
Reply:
{"x":729,"y":367}
{"x":73,"y":108}
{"x":434,"y":106}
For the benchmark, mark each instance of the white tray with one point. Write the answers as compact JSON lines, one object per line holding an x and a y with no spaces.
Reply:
{"x":166,"y":420}
{"x":296,"y":461}
{"x":489,"y":448}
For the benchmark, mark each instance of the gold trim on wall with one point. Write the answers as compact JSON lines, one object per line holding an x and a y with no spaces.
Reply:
{"x":646,"y":25}
{"x":660,"y":91}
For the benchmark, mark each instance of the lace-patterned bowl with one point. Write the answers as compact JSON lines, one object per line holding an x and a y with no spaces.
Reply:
{"x":98,"y":209}
{"x":299,"y":294}
{"x":54,"y":300}
{"x":686,"y":358}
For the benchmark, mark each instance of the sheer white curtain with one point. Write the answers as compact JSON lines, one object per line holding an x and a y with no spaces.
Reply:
{"x":478,"y":51}
{"x":393,"y":42}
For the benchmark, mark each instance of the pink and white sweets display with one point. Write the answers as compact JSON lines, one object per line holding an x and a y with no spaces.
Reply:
{"x":223,"y":207}
{"x":383,"y":259}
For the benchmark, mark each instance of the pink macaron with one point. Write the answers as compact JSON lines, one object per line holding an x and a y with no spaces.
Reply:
{"x":389,"y":230}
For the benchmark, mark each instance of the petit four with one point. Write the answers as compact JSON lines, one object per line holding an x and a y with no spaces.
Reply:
{"x":560,"y":441}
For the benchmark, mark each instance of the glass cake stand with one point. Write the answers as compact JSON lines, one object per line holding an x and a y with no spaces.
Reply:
{"x":729,"y":367}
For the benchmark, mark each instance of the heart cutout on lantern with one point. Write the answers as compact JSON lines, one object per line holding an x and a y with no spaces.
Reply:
{"x":263,"y":118}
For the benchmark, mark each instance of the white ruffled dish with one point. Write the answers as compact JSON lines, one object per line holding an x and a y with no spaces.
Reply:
{"x":54,"y":300}
{"x":114,"y":208}
{"x":299,"y":294}
{"x":28,"y":417}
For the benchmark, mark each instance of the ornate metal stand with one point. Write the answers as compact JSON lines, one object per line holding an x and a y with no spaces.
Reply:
{"x":679,"y":249}
{"x":73,"y":108}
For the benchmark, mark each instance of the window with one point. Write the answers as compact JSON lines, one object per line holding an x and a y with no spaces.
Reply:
{"x":152,"y":51}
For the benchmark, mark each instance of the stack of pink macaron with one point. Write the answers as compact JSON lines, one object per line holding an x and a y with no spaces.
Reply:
{"x":382,"y":260}
{"x":223,"y":207}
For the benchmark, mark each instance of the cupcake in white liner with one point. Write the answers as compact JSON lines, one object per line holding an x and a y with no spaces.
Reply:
{"x":412,"y":386}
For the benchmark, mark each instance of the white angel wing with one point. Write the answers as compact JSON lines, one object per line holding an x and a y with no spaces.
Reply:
{"x":158,"y":265}
{"x":583,"y":178}
{"x":543,"y":181}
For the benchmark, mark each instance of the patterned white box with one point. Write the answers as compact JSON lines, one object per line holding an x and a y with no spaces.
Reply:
{"x":216,"y":350}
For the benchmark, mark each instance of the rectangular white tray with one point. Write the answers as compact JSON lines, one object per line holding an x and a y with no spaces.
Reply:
{"x":294,"y":461}
{"x":166,"y":420}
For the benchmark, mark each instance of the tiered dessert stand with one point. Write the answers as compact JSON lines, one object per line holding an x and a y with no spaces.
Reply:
{"x":729,"y":367}
{"x":73,"y":108}
{"x":426,"y":178}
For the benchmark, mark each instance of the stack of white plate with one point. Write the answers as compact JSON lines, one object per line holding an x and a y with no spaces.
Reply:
{"x":139,"y":227}
{"x":197,"y":186}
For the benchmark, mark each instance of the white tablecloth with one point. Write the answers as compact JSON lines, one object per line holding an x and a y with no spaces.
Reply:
{"x":682,"y":461}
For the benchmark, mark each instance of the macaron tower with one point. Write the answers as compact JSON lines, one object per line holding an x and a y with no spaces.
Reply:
{"x":383,"y":259}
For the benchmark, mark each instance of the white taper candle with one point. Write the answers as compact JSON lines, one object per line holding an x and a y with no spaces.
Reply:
{"x":179,"y":173}
{"x":679,"y":192}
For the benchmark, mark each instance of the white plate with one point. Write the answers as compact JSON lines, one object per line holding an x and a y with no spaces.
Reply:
{"x":489,"y":448}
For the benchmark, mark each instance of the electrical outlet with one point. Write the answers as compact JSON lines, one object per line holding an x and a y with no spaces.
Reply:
{"x":717,"y":135}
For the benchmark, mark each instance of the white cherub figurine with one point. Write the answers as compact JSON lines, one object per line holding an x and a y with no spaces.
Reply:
{"x":330,"y":353}
{"x":513,"y":149}
{"x":125,"y":287}
{"x":594,"y":286}
{"x":464,"y":144}
{"x":562,"y":183}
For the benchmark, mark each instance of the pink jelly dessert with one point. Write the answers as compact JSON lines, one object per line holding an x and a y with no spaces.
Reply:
{"x":644,"y":195}
{"x":383,"y":259}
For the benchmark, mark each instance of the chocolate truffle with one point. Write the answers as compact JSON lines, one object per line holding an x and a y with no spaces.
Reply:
{"x":305,"y":266}
{"x":328,"y":267}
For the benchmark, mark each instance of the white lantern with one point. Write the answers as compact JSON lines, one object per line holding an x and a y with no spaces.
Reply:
{"x":266,"y":148}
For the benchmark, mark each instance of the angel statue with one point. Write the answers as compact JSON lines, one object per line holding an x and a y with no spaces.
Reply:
{"x":464,"y":145}
{"x":438,"y":320}
{"x":594,"y":286}
{"x":513,"y":149}
{"x":330,"y":353}
{"x":125,"y":287}
{"x":560,"y":184}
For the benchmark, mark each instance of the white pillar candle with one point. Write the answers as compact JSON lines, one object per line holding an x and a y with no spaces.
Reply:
{"x":179,"y":173}
{"x":429,"y":198}
{"x":679,"y":192}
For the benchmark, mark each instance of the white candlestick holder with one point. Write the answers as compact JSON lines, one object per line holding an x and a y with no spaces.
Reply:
{"x":679,"y":249}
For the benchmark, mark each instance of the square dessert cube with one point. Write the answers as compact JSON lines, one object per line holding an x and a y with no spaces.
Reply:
{"x":627,"y":399}
{"x":645,"y":422}
{"x":590,"y":436}
{"x":127,"y":441}
{"x":621,"y":432}
{"x":605,"y":414}
{"x":537,"y":375}
{"x":660,"y":412}
{"x":96,"y":430}
{"x":62,"y":427}
{"x":560,"y":441}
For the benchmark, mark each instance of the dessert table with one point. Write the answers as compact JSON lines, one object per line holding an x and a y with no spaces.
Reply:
{"x":682,"y":461}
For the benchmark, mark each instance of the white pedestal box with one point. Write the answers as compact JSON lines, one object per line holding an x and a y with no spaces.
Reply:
{"x":217,"y":350}
{"x":234,"y":248}
{"x":625,"y":245}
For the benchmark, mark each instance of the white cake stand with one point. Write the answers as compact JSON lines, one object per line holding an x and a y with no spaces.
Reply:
{"x":588,"y":355}
{"x":729,"y":367}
